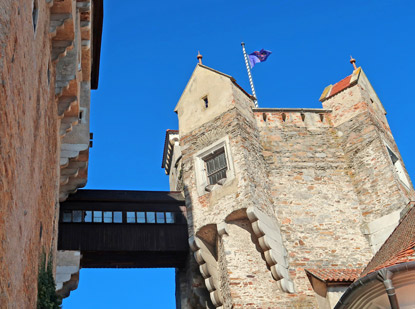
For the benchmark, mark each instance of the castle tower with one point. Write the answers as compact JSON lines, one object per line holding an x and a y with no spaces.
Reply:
{"x":271,"y":193}
{"x":379,"y":177}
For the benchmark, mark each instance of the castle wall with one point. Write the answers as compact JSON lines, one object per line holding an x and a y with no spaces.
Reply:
{"x":363,"y":134}
{"x":314,"y":198}
{"x":249,"y":282}
{"x":45,"y":67}
{"x":227,"y":203}
{"x":304,"y":189}
{"x":29,"y":150}
{"x":378,"y":174}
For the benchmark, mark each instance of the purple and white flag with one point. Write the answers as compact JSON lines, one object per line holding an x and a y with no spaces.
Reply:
{"x":258,"y":56}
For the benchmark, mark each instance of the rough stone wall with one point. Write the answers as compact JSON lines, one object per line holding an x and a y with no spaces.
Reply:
{"x":363,"y":131}
{"x":240,"y":193}
{"x":323,"y":175}
{"x":191,"y":292}
{"x":240,"y":261}
{"x":249,"y":281}
{"x":29,"y":152}
{"x":314,"y":198}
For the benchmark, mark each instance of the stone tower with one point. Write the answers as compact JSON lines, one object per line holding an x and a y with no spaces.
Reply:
{"x":273,"y":193}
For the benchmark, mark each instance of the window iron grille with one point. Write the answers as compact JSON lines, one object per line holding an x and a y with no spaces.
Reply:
{"x":216,"y":166}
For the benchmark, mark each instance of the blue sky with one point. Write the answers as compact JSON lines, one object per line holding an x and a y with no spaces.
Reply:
{"x":149,"y":52}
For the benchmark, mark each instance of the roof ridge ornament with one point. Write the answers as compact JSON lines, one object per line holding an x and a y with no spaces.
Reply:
{"x":199,"y":57}
{"x":353,"y":62}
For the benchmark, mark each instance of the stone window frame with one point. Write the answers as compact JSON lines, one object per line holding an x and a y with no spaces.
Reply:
{"x":397,"y":166}
{"x":199,"y":159}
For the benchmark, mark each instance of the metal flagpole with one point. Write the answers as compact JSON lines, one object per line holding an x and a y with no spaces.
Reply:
{"x":251,"y":82}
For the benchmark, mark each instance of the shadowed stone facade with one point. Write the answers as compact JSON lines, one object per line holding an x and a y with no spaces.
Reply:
{"x":49,"y":55}
{"x":304,"y":189}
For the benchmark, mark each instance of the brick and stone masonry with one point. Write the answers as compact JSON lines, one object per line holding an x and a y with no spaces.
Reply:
{"x":45,"y":81}
{"x":29,"y":143}
{"x":304,"y":188}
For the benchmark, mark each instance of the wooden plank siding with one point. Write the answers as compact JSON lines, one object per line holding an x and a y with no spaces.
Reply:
{"x":126,"y":244}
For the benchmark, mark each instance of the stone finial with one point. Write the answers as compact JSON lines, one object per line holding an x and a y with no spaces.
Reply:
{"x":199,"y":57}
{"x":353,"y":62}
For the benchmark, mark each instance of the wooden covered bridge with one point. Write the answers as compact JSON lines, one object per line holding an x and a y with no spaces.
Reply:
{"x":125,"y":228}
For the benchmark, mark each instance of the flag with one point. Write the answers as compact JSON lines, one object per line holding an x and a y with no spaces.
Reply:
{"x":258,"y":56}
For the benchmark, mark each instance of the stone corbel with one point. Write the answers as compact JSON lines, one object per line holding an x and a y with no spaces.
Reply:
{"x":208,"y":267}
{"x":222,"y":229}
{"x":269,"y":236}
{"x":67,"y":272}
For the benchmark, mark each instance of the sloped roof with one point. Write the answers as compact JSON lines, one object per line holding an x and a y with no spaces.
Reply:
{"x":341,"y":85}
{"x":166,"y":143}
{"x":399,"y":247}
{"x":335,"y":275}
{"x":345,"y":83}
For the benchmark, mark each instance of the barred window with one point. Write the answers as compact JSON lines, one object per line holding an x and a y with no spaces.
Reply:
{"x":216,"y":166}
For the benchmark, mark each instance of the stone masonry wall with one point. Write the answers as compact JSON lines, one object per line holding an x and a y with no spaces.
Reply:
{"x":29,"y":152}
{"x":322,"y":174}
{"x":363,"y":132}
{"x":244,"y":190}
{"x":250,"y":282}
{"x":314,"y":198}
{"x":249,"y":188}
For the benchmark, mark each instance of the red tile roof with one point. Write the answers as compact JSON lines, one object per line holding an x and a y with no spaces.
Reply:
{"x":406,"y":255}
{"x":345,"y":83}
{"x":335,"y":275}
{"x":341,"y":85}
{"x":399,"y":247}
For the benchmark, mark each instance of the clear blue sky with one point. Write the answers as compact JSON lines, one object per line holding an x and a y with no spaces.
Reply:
{"x":149,"y":51}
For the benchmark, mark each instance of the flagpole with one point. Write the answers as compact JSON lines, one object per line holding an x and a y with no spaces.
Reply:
{"x":251,"y":82}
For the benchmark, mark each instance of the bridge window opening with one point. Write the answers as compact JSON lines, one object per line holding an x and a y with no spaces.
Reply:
{"x":97,"y":216}
{"x":160,"y":217}
{"x":67,"y":216}
{"x":151,"y":217}
{"x":107,"y":216}
{"x":169,"y":217}
{"x":141,"y":217}
{"x":130,"y":217}
{"x":88,"y":216}
{"x":77,"y":216}
{"x":117,"y":217}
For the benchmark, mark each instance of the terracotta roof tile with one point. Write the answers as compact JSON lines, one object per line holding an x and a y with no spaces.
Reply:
{"x":341,"y":85}
{"x":335,"y":275}
{"x":399,"y":247}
